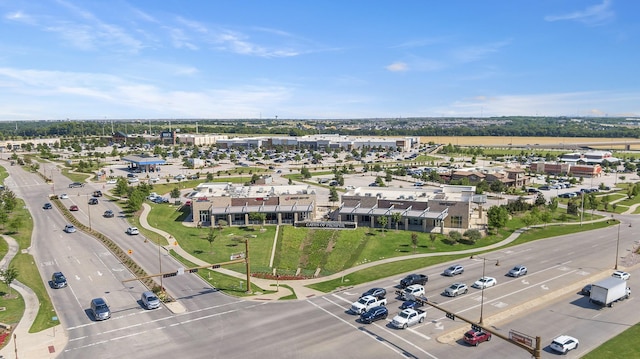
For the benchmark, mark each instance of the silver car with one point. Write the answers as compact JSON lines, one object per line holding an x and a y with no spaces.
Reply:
{"x":454,"y":270}
{"x":150,"y":300}
{"x":456,"y":289}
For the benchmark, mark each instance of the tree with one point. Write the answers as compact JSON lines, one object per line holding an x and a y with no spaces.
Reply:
{"x":136,"y":198}
{"x":497,"y":187}
{"x":121,"y":187}
{"x":432,"y":238}
{"x":258,"y":216}
{"x":211,"y":237}
{"x":175,"y":193}
{"x":540,"y":200}
{"x":382,"y":221}
{"x":333,"y":195}
{"x":529,"y":219}
{"x":572,"y":207}
{"x":553,"y":204}
{"x":8,"y":276}
{"x":414,"y":241}
{"x":396,"y":217}
{"x":497,"y":217}
{"x":546,"y":217}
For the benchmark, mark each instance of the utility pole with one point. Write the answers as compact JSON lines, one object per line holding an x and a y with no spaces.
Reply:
{"x":246,"y":260}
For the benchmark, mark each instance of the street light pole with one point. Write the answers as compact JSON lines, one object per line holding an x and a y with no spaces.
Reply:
{"x":617,"y":245}
{"x":484,"y":264}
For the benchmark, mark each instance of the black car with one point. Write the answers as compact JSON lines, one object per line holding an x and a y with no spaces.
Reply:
{"x":375,"y":292}
{"x":108,"y":214}
{"x":58,"y":280}
{"x":93,"y":201}
{"x":412,"y":279}
{"x":373,"y":314}
{"x":97,"y":193}
{"x":47,"y":206}
{"x":586,"y":290}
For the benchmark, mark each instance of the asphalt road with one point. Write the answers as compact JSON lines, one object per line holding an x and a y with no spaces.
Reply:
{"x":543,"y":303}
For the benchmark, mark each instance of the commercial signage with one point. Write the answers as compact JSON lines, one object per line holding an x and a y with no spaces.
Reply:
{"x":328,"y":225}
{"x":521,"y":338}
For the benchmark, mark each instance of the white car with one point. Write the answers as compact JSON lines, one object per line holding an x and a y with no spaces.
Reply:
{"x":64,"y":196}
{"x":133,"y":180}
{"x":70,"y":228}
{"x":132,"y":231}
{"x":485,"y":282}
{"x":112,"y":181}
{"x":621,"y":275}
{"x":179,"y":177}
{"x":564,"y":343}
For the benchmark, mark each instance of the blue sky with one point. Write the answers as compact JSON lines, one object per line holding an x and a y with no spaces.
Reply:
{"x":317,"y":59}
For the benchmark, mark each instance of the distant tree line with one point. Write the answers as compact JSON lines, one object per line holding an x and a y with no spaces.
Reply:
{"x":502,"y":126}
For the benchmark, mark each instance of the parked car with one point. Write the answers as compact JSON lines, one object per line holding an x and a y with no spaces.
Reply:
{"x":112,"y":181}
{"x":108,"y":214}
{"x":586,"y":290}
{"x":375,"y":292}
{"x":47,"y":206}
{"x":93,"y":201}
{"x":517,"y":271}
{"x":179,"y":177}
{"x":74,"y":208}
{"x":131,"y":175}
{"x":485,"y":282}
{"x":454,"y":270}
{"x":133,"y":180}
{"x":456,"y":289}
{"x":564,"y":343}
{"x":132,"y":231}
{"x":150,"y":300}
{"x":69,"y":228}
{"x":100,"y":309}
{"x":373,"y":314}
{"x":475,"y":337}
{"x":58,"y":280}
{"x":621,"y":275}
{"x":76,"y":185}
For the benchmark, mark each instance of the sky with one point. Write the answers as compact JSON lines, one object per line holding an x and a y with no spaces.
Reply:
{"x":317,"y":59}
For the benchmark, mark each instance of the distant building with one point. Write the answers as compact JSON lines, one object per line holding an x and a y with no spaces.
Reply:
{"x":591,"y":157}
{"x":567,"y":169}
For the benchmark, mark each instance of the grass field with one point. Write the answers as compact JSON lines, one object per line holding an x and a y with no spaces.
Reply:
{"x":625,"y":345}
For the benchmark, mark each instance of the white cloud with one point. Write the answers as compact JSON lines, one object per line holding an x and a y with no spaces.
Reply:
{"x":398,"y":67}
{"x":551,"y":104}
{"x":592,"y":15}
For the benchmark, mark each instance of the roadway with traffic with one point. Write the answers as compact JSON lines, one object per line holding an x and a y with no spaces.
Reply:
{"x":207,"y":323}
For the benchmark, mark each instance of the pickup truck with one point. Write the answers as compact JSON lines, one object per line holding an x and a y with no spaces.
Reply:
{"x":408,"y":317}
{"x":414,"y":279}
{"x":367,"y":302}
{"x":411,"y":292}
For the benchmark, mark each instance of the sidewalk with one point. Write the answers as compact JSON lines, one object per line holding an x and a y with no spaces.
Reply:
{"x":300,"y":287}
{"x":44,"y":344}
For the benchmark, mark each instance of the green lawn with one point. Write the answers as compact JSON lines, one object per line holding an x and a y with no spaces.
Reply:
{"x":624,"y":345}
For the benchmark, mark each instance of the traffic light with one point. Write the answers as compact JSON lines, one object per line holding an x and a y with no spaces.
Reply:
{"x":167,"y":275}
{"x":193,"y":270}
{"x":215,"y":266}
{"x":476,"y":328}
{"x":451,"y":316}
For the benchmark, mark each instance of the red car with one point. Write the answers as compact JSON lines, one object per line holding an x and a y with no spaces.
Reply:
{"x":74,"y":208}
{"x":474,"y":337}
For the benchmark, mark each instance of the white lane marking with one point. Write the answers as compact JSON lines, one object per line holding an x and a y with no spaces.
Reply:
{"x":544,"y":287}
{"x":371,"y":335}
{"x":342,"y":299}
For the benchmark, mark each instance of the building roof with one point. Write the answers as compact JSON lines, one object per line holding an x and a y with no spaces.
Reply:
{"x":144,"y":160}
{"x":217,"y":189}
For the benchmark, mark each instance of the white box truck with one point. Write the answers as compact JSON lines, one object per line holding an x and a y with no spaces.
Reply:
{"x":608,"y":291}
